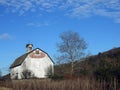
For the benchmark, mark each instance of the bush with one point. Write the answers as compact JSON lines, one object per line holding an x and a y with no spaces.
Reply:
{"x":107,"y":73}
{"x":56,"y":77}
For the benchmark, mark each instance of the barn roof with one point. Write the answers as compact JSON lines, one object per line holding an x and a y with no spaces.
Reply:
{"x":20,"y":59}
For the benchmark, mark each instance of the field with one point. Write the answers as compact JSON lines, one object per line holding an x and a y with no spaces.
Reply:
{"x":3,"y":88}
{"x":73,"y":84}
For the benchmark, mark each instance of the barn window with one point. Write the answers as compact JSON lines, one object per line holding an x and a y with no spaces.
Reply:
{"x":37,"y":52}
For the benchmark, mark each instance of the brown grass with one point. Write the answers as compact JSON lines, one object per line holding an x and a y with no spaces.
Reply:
{"x":74,"y":84}
{"x":3,"y":88}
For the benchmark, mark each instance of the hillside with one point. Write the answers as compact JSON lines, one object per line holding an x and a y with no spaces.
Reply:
{"x":109,"y":58}
{"x":105,"y":64}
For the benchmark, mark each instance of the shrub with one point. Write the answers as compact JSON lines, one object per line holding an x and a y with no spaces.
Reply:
{"x":56,"y":77}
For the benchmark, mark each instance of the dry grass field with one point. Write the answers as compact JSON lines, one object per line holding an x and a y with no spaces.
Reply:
{"x":3,"y":88}
{"x":74,"y":84}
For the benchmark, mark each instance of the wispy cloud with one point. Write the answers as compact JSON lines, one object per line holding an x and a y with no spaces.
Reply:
{"x":5,"y":36}
{"x":23,"y":6}
{"x":87,"y":8}
{"x":74,"y":8}
{"x":37,"y":24}
{"x":118,"y":20}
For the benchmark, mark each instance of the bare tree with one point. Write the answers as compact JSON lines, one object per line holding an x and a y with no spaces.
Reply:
{"x":71,"y":48}
{"x":0,"y":73}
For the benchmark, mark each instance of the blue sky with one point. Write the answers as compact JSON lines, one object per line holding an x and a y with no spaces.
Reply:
{"x":42,"y":21}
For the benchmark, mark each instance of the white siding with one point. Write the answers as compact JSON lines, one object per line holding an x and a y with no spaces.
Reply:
{"x":16,"y":72}
{"x":39,"y":67}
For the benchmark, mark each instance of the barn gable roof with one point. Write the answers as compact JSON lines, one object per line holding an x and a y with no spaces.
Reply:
{"x":20,"y":59}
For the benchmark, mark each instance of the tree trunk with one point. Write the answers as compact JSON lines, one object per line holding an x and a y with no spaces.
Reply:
{"x":72,"y":67}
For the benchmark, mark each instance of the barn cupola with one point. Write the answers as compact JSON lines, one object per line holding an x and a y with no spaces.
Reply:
{"x":29,"y":47}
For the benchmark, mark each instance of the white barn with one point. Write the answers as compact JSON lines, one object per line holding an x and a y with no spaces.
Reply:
{"x":33,"y":64}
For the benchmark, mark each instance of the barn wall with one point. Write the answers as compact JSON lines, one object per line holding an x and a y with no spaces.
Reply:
{"x":16,"y":72}
{"x":38,"y":67}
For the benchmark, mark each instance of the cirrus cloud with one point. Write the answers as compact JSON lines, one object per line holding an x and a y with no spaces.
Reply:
{"x":74,"y":8}
{"x":37,"y":24}
{"x":5,"y":36}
